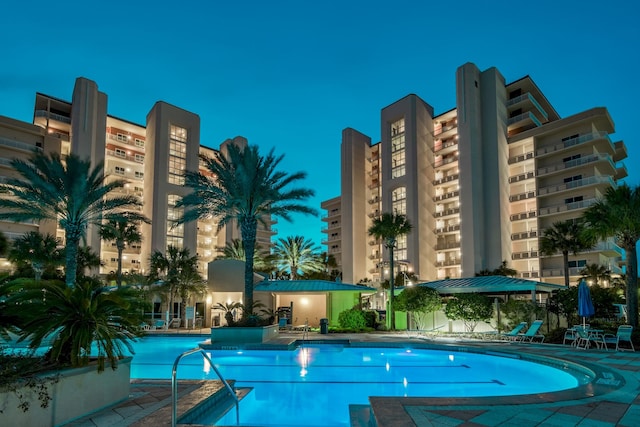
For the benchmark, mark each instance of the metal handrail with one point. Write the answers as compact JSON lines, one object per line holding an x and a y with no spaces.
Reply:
{"x":174,"y":385}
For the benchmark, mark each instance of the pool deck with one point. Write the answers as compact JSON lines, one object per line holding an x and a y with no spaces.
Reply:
{"x":613,"y":399}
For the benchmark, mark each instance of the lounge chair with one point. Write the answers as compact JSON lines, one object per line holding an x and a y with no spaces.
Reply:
{"x":282,"y":323}
{"x":174,"y":323}
{"x":623,"y":334}
{"x":159,"y":324}
{"x":513,"y":334}
{"x":532,"y":333}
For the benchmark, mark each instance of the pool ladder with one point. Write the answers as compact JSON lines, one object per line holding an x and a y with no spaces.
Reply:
{"x":174,"y":385}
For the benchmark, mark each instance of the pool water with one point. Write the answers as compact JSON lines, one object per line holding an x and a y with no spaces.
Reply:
{"x":314,"y":385}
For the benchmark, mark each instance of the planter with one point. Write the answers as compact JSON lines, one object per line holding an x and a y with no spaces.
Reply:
{"x":243,"y":335}
{"x":78,"y":392}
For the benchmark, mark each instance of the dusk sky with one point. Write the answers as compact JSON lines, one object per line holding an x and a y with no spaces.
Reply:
{"x":293,"y":74}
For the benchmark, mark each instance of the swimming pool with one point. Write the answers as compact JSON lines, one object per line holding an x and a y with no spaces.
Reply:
{"x":314,"y":385}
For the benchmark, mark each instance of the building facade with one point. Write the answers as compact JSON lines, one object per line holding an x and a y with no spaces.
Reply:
{"x":151,"y":158}
{"x":479,"y":183}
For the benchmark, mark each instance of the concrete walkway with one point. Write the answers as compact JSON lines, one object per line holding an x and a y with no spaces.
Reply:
{"x":612,"y":399}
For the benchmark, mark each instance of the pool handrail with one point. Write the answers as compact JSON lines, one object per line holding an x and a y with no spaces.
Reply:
{"x":174,"y":385}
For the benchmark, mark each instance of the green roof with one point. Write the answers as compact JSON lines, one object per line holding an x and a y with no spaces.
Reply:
{"x":308,"y":286}
{"x":489,"y":284}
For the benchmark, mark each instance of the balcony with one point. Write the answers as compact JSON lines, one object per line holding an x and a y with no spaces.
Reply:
{"x":448,"y":262}
{"x":584,"y":182}
{"x":375,"y":199}
{"x":523,"y":215}
{"x":447,"y":245}
{"x":551,"y":210}
{"x":446,"y":212}
{"x":445,"y":161}
{"x":441,"y":146}
{"x":445,"y":130}
{"x":522,"y":196}
{"x":524,"y":235}
{"x":521,"y":177}
{"x":524,"y":255}
{"x":448,"y":229}
{"x":19,"y":145}
{"x":577,"y":141}
{"x":593,"y":158}
{"x":608,"y":249}
{"x":529,"y":274}
{"x":52,"y":116}
{"x":448,"y":178}
{"x":123,"y":156}
{"x":523,"y":119}
{"x":140,"y":145}
{"x":446,"y":196}
{"x":374,"y":184}
{"x":527,"y":98}
{"x":520,"y":158}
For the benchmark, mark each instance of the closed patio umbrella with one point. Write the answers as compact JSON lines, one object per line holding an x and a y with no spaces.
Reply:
{"x":585,"y":304}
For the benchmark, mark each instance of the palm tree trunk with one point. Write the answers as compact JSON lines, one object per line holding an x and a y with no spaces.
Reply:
{"x":565,"y":260}
{"x":248,"y":229}
{"x":632,"y":285}
{"x":119,"y":270}
{"x":392,"y":312}
{"x":38,"y":268}
{"x":71,"y":259}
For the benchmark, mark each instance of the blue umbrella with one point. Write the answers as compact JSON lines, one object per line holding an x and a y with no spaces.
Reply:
{"x":585,"y":305}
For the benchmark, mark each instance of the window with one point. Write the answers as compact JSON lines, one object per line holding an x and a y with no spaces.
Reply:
{"x":177,"y":154}
{"x":139,"y":158}
{"x":514,"y":93}
{"x":175,"y":233}
{"x":573,"y":199}
{"x":121,"y":153}
{"x":577,"y":135}
{"x":515,"y":113}
{"x":139,"y":175}
{"x":573,"y":178}
{"x":577,"y":264}
{"x":399,"y":201}
{"x":139,"y":143}
{"x":119,"y":170}
{"x":401,"y":247}
{"x":398,"y":149}
{"x":397,"y":127}
{"x":568,"y":159}
{"x":121,"y":137}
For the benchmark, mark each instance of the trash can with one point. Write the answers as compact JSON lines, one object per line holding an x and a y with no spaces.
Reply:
{"x":324,"y":326}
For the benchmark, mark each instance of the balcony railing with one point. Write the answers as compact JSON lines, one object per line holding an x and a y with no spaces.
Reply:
{"x":528,"y":97}
{"x":575,"y":141}
{"x":592,"y":180}
{"x":53,"y":116}
{"x":521,"y":177}
{"x":447,"y":212}
{"x":524,"y":235}
{"x":521,"y":158}
{"x":448,"y":229}
{"x":18,"y":145}
{"x":447,"y":245}
{"x":446,"y":196}
{"x":522,"y":117}
{"x":523,"y":215}
{"x":448,"y":262}
{"x":446,"y":179}
{"x":524,"y":255}
{"x":445,"y":144}
{"x":577,"y":162}
{"x":582,"y":204}
{"x":445,"y":161}
{"x":522,"y":196}
{"x":125,"y":156}
{"x":528,"y":274}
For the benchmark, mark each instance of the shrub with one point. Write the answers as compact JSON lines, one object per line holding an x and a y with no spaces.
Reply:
{"x":352,"y":319}
{"x":471,"y":308}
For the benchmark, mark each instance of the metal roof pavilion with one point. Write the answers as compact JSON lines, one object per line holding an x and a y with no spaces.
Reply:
{"x":490,"y":285}
{"x":309,"y":286}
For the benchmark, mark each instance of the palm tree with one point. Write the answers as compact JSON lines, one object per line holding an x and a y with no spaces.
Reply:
{"x":235,"y":250}
{"x":40,"y":251}
{"x":389,"y":227}
{"x":247,"y":187}
{"x":123,"y":231}
{"x":297,"y":254}
{"x":76,"y":317}
{"x":617,"y":215}
{"x":87,"y":259}
{"x":178,"y":272}
{"x":596,"y":272}
{"x":70,"y":192}
{"x":564,"y":237}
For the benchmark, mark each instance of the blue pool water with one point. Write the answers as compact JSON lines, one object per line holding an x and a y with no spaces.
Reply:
{"x":314,"y":385}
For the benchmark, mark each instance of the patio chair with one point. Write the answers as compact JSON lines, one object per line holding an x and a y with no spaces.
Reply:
{"x":159,"y":324}
{"x":532,"y":333}
{"x":282,"y":323}
{"x":513,"y":334}
{"x":623,"y":334}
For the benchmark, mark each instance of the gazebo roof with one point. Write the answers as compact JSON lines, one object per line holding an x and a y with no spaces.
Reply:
{"x":309,"y":286}
{"x":489,"y":284}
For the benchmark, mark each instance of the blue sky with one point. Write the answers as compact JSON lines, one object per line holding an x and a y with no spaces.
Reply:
{"x":292,"y":74}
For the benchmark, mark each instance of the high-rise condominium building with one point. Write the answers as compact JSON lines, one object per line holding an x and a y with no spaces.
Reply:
{"x":151,"y":158}
{"x":479,"y":183}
